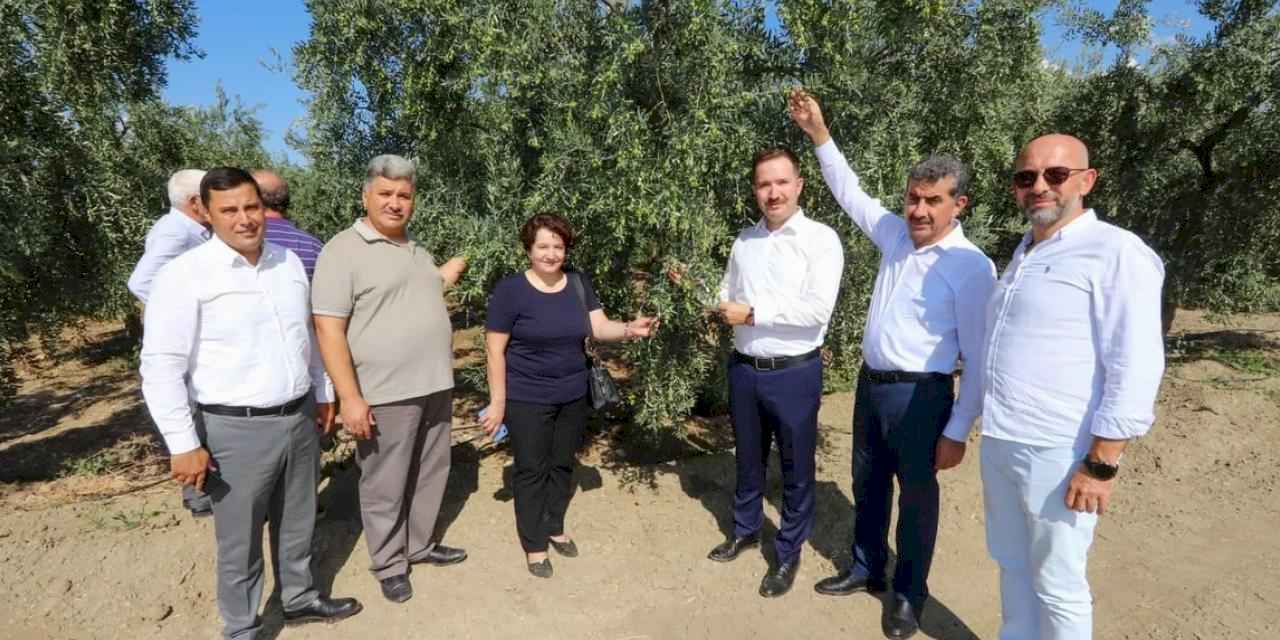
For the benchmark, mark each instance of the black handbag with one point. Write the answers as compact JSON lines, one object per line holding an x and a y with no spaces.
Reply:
{"x":602,"y":391}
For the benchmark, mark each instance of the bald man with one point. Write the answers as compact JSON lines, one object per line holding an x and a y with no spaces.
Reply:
{"x":1073,"y":364}
{"x":280,"y":229}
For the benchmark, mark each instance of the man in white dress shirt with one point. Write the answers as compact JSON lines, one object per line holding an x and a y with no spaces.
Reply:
{"x":177,"y":231}
{"x":927,"y":312}
{"x":1074,"y":360}
{"x":777,"y":294}
{"x":229,"y":325}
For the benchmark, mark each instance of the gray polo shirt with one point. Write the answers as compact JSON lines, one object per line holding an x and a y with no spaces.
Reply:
{"x":398,"y":329}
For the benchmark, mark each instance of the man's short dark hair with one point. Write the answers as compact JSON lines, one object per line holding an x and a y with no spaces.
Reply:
{"x":551,"y":222}
{"x":938,"y":166}
{"x":224,"y":179}
{"x":765,"y":155}
{"x":276,"y":199}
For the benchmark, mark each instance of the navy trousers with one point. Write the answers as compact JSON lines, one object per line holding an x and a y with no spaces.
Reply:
{"x":896,"y":427}
{"x":779,"y":405}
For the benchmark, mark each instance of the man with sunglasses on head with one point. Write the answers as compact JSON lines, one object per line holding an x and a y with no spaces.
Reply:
{"x":927,"y":312}
{"x":1073,"y":364}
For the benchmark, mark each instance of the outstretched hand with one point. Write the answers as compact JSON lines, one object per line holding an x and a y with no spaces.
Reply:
{"x":643,"y":326}
{"x":807,"y":115}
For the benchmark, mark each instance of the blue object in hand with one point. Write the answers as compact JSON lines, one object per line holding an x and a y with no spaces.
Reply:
{"x":501,"y":433}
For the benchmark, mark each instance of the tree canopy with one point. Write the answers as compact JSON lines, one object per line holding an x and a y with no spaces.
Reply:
{"x":637,"y":121}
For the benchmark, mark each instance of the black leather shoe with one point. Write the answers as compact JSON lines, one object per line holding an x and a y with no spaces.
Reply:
{"x":729,"y":549}
{"x":441,"y":555}
{"x":901,"y":620}
{"x":541,"y":569}
{"x":396,"y":588}
{"x":848,"y":583}
{"x":566,"y":549}
{"x":778,"y":581}
{"x":324,"y":610}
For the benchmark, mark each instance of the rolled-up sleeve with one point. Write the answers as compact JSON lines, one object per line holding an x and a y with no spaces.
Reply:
{"x":1131,"y":343}
{"x":169,"y":330}
{"x":812,"y":305}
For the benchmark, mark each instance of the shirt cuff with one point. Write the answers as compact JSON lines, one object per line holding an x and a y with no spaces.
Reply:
{"x":764,"y":314}
{"x":182,"y":441}
{"x":323,"y":392}
{"x":331,"y":313}
{"x":957,"y":428}
{"x":1117,"y":428}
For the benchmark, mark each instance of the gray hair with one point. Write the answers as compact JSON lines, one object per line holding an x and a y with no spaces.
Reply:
{"x":391,"y":167}
{"x":937,"y":167}
{"x":184,"y":185}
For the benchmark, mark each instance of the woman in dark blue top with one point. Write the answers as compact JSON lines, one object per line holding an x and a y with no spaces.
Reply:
{"x":537,"y":368}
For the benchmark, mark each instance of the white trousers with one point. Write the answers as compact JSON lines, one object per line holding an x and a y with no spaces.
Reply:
{"x":1042,"y":547}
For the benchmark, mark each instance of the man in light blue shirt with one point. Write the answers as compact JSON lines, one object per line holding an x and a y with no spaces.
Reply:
{"x":1074,"y":358}
{"x":177,"y":231}
{"x":180,"y":229}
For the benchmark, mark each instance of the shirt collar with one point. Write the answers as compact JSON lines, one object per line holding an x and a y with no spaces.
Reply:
{"x":1082,"y":222}
{"x":230,"y":257}
{"x":187,"y":221}
{"x":952,"y":240}
{"x":370,"y":234}
{"x":791,"y":226}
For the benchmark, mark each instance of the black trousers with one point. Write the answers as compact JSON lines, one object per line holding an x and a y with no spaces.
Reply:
{"x":896,"y":427}
{"x":544,"y":442}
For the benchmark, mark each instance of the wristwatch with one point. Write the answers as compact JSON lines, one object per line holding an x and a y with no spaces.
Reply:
{"x":1099,"y":469}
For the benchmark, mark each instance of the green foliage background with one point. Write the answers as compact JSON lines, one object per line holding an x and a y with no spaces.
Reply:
{"x":637,"y":121}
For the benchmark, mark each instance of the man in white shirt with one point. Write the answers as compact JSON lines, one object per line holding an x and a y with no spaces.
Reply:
{"x":180,"y":229}
{"x":177,"y":231}
{"x":228,"y":325}
{"x":778,"y":294}
{"x":1073,"y":365}
{"x":927,"y":312}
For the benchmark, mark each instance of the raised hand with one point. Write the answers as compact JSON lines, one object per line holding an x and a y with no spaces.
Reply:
{"x":807,"y":115}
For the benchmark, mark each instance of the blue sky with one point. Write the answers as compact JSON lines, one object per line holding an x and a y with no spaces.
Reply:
{"x":246,"y":41}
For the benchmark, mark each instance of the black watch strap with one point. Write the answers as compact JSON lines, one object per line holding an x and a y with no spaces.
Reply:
{"x":1099,"y":469}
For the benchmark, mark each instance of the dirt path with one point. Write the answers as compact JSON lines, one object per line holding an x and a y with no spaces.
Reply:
{"x":1192,"y":550}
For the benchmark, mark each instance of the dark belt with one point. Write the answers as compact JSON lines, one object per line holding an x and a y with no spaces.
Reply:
{"x":894,"y":377}
{"x":775,"y":363}
{"x":289,"y":408}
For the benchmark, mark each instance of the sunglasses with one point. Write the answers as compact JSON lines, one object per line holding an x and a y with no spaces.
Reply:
{"x":1053,"y":175}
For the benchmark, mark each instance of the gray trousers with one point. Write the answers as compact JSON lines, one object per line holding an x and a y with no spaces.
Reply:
{"x":403,"y":471}
{"x":265,"y":465}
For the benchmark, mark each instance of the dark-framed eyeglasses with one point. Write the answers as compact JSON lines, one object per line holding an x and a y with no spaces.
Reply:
{"x":1053,"y":175}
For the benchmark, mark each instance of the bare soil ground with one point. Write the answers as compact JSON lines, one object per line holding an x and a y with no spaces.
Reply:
{"x":1191,"y":551}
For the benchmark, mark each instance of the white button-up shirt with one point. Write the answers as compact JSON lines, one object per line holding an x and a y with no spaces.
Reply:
{"x":790,"y":277}
{"x":1075,"y":346}
{"x":928,"y":309}
{"x":229,"y":333}
{"x":172,"y":235}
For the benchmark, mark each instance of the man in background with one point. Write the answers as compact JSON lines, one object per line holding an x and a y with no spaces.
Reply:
{"x":280,"y":229}
{"x":182,"y":228}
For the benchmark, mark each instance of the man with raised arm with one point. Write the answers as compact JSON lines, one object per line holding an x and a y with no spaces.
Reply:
{"x":926,"y":315}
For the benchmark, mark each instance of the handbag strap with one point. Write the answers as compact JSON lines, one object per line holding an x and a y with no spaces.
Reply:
{"x":575,"y":279}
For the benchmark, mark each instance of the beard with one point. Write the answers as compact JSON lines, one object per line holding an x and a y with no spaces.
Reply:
{"x":1044,"y":216}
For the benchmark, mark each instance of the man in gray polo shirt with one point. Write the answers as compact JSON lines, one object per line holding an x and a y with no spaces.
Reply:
{"x":384,"y":333}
